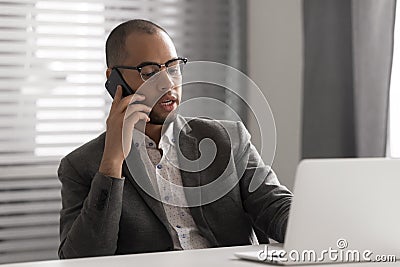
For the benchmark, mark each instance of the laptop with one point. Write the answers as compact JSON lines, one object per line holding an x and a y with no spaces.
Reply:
{"x":343,"y":210}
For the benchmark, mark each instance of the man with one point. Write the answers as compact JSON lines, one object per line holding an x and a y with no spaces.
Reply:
{"x":106,"y":210}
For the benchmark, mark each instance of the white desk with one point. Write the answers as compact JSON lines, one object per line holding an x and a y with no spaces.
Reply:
{"x":220,"y":257}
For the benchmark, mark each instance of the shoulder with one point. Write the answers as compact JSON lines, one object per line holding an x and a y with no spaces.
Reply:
{"x":85,"y":160}
{"x":234,"y":129}
{"x":232,"y":133}
{"x":92,"y":149}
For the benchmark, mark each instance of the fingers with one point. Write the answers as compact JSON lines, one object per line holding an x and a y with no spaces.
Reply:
{"x":120,"y":103}
{"x":118,"y":94}
{"x":137,"y":108}
{"x":117,"y":98}
{"x":123,"y":102}
{"x":129,"y":100}
{"x":134,"y":118}
{"x":120,"y":125}
{"x":135,"y":112}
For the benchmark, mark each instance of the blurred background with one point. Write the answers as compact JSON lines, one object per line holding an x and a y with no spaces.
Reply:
{"x":329,"y":70}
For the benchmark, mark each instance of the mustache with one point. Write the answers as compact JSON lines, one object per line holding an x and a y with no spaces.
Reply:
{"x":169,"y":94}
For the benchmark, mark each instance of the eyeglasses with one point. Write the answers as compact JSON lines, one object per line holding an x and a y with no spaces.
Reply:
{"x":174,"y":68}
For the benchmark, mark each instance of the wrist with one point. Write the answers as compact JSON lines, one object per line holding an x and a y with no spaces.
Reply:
{"x":112,"y":168}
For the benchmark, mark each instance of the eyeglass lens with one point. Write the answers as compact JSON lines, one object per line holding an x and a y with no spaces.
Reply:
{"x":174,"y":69}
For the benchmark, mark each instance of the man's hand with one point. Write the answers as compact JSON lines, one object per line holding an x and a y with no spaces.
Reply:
{"x":119,"y":125}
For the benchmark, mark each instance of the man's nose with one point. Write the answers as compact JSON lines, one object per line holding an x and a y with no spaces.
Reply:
{"x":165,"y":81}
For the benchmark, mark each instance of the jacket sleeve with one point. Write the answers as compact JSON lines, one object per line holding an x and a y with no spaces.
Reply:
{"x":90,"y":214}
{"x":268,"y":204}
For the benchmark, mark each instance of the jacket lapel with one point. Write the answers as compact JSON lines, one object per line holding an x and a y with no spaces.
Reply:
{"x":188,"y":149}
{"x":140,"y":180}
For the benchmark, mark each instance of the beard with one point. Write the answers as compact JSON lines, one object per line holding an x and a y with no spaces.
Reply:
{"x":158,"y":119}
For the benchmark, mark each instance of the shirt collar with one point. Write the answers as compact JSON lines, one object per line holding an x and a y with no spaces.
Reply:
{"x":167,"y":138}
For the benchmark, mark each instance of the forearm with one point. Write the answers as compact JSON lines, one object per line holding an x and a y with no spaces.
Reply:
{"x":268,"y":206}
{"x":94,"y":231}
{"x":265,"y":200}
{"x":272,"y":217}
{"x":112,"y":168}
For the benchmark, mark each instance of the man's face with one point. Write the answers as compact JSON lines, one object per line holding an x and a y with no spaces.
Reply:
{"x":162,"y":92}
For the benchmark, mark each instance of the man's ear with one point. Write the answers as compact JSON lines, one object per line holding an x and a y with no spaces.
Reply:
{"x":108,"y":72}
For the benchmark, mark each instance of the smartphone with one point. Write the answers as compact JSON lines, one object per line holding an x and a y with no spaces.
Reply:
{"x":116,"y":79}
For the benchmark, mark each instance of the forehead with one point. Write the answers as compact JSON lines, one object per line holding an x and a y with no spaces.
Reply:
{"x":142,"y":47}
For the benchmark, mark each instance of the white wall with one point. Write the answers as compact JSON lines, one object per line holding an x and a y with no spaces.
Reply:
{"x":275,"y":64}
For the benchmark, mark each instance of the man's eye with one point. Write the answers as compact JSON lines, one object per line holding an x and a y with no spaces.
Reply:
{"x":148,"y":74}
{"x":174,"y":70}
{"x":149,"y":71}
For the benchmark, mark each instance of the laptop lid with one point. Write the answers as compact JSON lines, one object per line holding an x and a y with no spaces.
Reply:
{"x":346,"y":205}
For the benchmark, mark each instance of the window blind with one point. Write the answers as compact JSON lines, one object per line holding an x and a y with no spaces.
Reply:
{"x":52,"y":96}
{"x":52,"y":64}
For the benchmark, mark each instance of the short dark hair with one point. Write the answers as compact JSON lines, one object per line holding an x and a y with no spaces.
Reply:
{"x":115,"y":44}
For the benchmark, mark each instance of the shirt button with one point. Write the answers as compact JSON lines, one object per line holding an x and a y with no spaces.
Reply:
{"x":166,"y":198}
{"x":150,"y":144}
{"x":178,"y":226}
{"x":159,"y":166}
{"x":173,"y":140}
{"x":137,"y":144}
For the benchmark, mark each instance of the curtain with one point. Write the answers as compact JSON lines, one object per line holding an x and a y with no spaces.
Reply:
{"x":347,"y":61}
